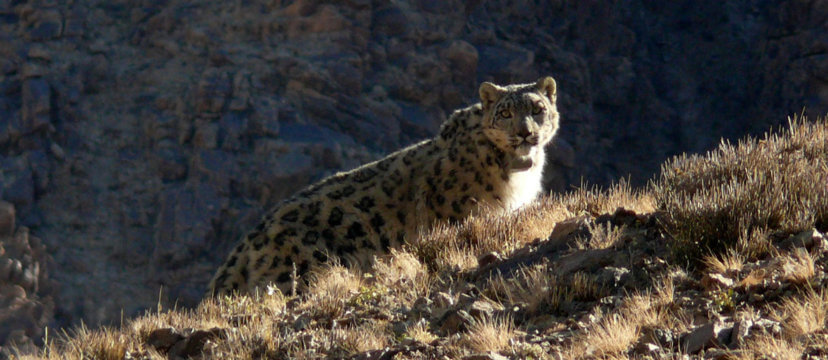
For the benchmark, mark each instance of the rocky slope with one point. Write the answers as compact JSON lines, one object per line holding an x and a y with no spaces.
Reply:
{"x":723,"y":256}
{"x":139,"y":139}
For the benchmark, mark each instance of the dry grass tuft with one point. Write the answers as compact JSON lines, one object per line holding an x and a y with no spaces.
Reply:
{"x":803,"y":315}
{"x":329,"y":291}
{"x":541,"y":290}
{"x":614,"y":334}
{"x":769,"y":347}
{"x":104,"y":344}
{"x":457,"y":248}
{"x":354,"y":340}
{"x":490,"y":334}
{"x":404,"y":274}
{"x":714,"y":200}
{"x":798,"y":267}
{"x":617,"y":332}
{"x":602,"y":237}
{"x":595,"y":201}
{"x":419,"y":332}
{"x":754,"y":243}
{"x":730,"y":262}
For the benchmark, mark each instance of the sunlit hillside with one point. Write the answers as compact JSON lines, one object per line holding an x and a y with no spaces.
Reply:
{"x":721,"y":256}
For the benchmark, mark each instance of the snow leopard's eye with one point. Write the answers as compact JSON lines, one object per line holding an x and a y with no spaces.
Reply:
{"x":505,"y":113}
{"x":537,"y":109}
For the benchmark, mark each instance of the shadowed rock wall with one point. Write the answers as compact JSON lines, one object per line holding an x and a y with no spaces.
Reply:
{"x":139,"y":139}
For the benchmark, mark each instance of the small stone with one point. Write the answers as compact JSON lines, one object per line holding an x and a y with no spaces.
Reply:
{"x":399,"y":328}
{"x":647,"y":348}
{"x":767,"y":326}
{"x":13,"y":270}
{"x":622,"y":216}
{"x":486,"y":356}
{"x":423,"y":306}
{"x":6,"y":268}
{"x":302,"y":322}
{"x":808,"y":239}
{"x":471,"y":290}
{"x":374,"y":354}
{"x":718,"y":354}
{"x":455,"y":321}
{"x":163,"y":339}
{"x":193,"y":345}
{"x":481,"y":309}
{"x":443,"y":300}
{"x":57,"y":151}
{"x":28,"y":279}
{"x":489,"y":258}
{"x":663,"y":336}
{"x":422,"y":301}
{"x":40,"y":53}
{"x":7,"y":218}
{"x":741,"y":330}
{"x":713,"y":281}
{"x":563,"y":229}
{"x":613,"y":277}
{"x":702,"y":337}
{"x":466,"y":299}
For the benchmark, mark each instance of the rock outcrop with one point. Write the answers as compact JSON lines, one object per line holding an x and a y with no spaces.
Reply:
{"x":27,"y":302}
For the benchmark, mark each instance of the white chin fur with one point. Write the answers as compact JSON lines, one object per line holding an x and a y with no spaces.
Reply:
{"x":525,"y":185}
{"x":522,"y":163}
{"x":524,"y":150}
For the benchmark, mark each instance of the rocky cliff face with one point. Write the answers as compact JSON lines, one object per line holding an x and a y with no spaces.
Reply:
{"x":27,"y":302}
{"x":139,"y":139}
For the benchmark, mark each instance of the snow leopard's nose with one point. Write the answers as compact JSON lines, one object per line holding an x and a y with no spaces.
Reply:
{"x":524,"y":133}
{"x":523,"y":130}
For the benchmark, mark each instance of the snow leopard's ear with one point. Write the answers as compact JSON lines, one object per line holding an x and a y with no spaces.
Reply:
{"x":490,"y":94}
{"x":548,"y":88}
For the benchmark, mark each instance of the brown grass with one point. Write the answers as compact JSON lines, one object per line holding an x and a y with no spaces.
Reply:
{"x":540,"y":290}
{"x":727,"y":263}
{"x":723,"y":211}
{"x":490,"y":334}
{"x":594,"y":201}
{"x":602,"y":237}
{"x":350,"y":341}
{"x":617,"y":332}
{"x":405,"y":275}
{"x":769,"y":347}
{"x":419,"y":332}
{"x":803,"y":315}
{"x":714,"y":200}
{"x":798,"y":266}
{"x":329,"y":291}
{"x":457,"y":248}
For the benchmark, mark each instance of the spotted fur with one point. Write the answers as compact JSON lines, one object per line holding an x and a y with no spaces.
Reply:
{"x":490,"y":154}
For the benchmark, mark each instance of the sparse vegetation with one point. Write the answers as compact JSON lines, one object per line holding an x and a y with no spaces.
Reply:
{"x":738,"y":196}
{"x":727,"y":243}
{"x":489,"y":335}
